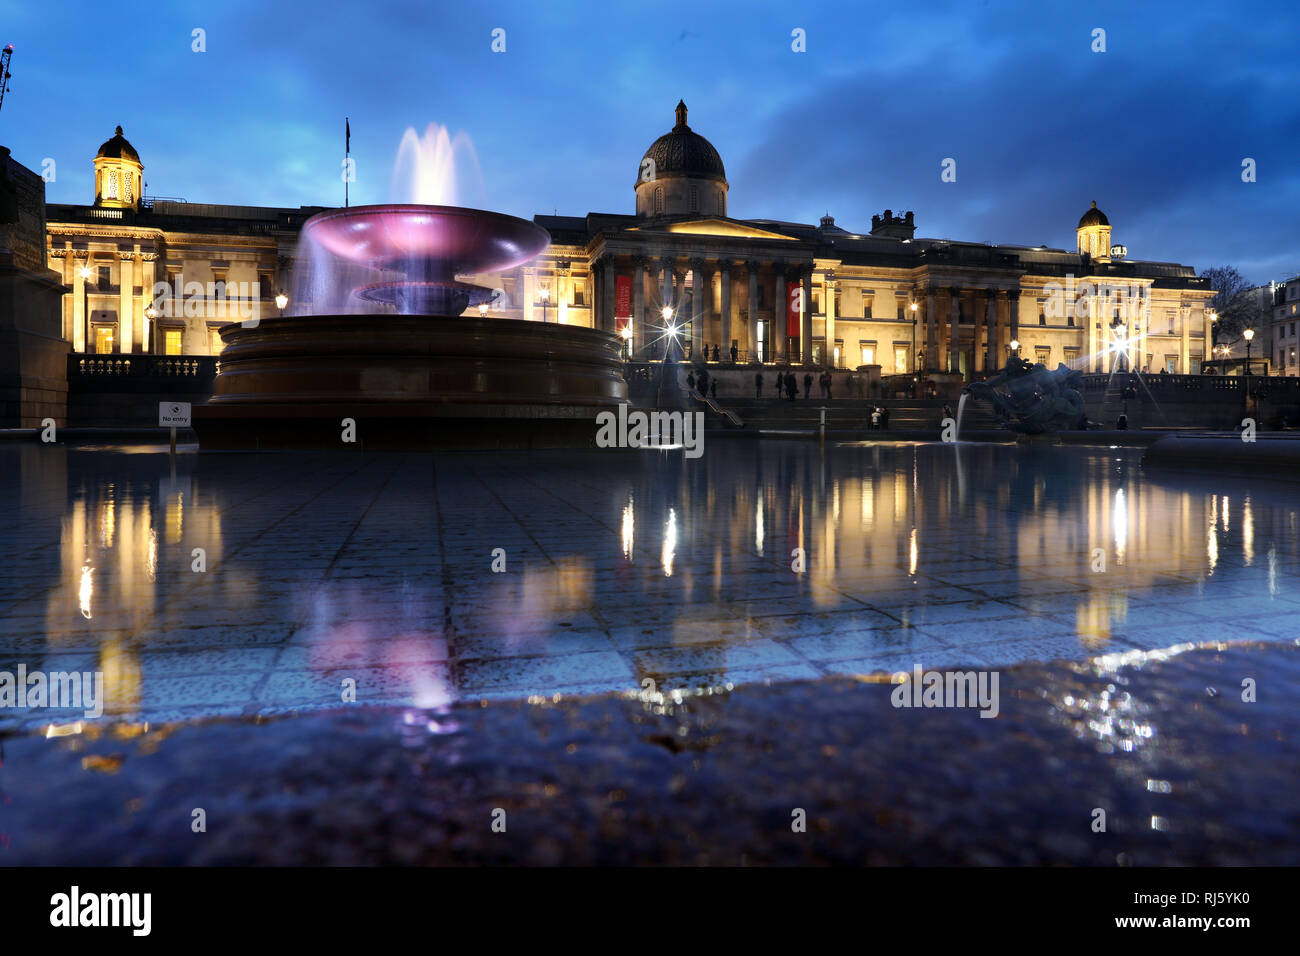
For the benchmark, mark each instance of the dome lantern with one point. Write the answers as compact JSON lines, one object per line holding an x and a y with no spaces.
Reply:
{"x":118,"y":173}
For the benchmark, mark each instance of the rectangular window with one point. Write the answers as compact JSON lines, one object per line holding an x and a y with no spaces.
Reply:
{"x":172,"y":341}
{"x":866,"y":308}
{"x":900,"y":359}
{"x":1043,"y":355}
{"x":103,"y":339}
{"x":214,"y":341}
{"x":1171,"y":364}
{"x":868,"y":352}
{"x":577,"y":293}
{"x":105,"y":277}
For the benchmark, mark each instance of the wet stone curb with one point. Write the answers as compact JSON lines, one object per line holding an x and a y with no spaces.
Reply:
{"x":1185,"y":770}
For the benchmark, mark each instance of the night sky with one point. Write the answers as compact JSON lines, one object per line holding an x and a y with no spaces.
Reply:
{"x":1154,"y":129}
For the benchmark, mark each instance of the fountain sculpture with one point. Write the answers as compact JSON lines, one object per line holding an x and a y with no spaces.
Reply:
{"x":375,"y":334}
{"x":1033,"y":399}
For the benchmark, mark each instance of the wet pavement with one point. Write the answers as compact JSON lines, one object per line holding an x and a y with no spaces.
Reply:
{"x":1184,"y":768}
{"x":262,"y":584}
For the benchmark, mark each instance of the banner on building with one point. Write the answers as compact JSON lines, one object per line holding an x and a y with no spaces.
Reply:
{"x":793,"y":309}
{"x":622,"y":296}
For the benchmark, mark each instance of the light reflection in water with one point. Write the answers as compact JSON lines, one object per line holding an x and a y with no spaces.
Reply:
{"x":629,"y":523}
{"x":1029,"y":519}
{"x":1121,"y":525}
{"x":670,"y":543}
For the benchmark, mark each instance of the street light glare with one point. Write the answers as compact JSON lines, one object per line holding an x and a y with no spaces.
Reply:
{"x":667,"y":312}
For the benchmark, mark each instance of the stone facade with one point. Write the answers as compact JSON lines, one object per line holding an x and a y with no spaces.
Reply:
{"x":774,"y":291}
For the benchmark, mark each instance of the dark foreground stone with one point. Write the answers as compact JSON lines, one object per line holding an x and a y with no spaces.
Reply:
{"x":1186,"y":771}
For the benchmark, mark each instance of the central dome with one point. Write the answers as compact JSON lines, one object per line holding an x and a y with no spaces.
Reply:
{"x":681,"y":173}
{"x":683,"y":152}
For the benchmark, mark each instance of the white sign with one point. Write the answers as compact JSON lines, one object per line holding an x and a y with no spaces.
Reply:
{"x":174,"y":414}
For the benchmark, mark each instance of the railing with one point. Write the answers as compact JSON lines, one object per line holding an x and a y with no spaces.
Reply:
{"x":712,"y":403}
{"x":142,"y":373}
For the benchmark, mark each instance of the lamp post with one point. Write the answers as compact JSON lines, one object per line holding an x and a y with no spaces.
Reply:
{"x":150,"y":313}
{"x":627,"y":341}
{"x":84,"y":272}
{"x":1248,"y":335}
{"x":1014,"y":346}
{"x":281,"y":300}
{"x":916,"y":358}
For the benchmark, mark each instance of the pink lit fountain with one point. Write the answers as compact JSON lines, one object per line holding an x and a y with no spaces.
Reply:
{"x":374,"y":333}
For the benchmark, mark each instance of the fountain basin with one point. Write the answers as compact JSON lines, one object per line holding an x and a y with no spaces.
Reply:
{"x":418,"y":381}
{"x":427,"y":242}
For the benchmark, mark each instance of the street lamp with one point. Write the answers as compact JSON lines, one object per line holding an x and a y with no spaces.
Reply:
{"x":84,"y":272}
{"x":1248,"y":335}
{"x":916,"y":358}
{"x":1014,"y":346}
{"x":150,"y":313}
{"x":627,"y":340}
{"x":545,"y":295}
{"x":281,"y":300}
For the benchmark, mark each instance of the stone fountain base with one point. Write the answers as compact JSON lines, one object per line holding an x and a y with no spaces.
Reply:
{"x":409,"y":382}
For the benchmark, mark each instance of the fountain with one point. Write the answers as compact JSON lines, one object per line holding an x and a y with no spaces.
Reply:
{"x":375,"y":334}
{"x":1033,"y":399}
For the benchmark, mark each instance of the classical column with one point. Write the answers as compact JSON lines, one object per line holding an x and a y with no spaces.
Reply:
{"x":561,"y":303}
{"x":79,"y":303}
{"x":1013,"y":314}
{"x":954,"y":329}
{"x":752,"y":267}
{"x":828,"y":286}
{"x":780,"y":322}
{"x":699,"y":309}
{"x":125,"y":312}
{"x":1185,"y":355}
{"x":986,"y":364}
{"x":805,"y":319}
{"x":530,"y":288}
{"x":639,"y":268}
{"x":724,"y":277}
{"x":147,"y":330}
{"x":608,"y":282}
{"x":931,"y":334}
{"x":666,"y":283}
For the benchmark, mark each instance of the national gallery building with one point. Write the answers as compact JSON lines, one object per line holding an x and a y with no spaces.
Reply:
{"x":678,"y":262}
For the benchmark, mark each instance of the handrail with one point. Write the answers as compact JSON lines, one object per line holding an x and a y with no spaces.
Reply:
{"x":718,"y":409}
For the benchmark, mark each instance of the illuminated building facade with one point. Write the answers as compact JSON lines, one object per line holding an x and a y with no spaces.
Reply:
{"x":775,"y":291}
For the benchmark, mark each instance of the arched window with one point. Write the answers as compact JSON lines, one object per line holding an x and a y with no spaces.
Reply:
{"x":112,"y":185}
{"x":659,"y":199}
{"x":128,"y":191}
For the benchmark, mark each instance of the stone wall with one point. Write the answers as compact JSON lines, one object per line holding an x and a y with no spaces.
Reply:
{"x":33,"y":353}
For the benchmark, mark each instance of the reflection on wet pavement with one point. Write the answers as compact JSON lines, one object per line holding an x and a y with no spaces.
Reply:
{"x":268,"y":583}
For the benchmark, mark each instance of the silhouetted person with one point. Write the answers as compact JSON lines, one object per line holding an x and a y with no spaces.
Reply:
{"x":713,"y":387}
{"x":690,"y":381}
{"x":704,"y":380}
{"x":758,"y":379}
{"x":1121,"y":423}
{"x":884,"y":417}
{"x":735,"y":354}
{"x":947,"y":411}
{"x":791,"y":387}
{"x":807,"y":385}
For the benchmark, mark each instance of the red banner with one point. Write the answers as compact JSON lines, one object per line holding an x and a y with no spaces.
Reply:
{"x":623,"y":296}
{"x":793,"y":309}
